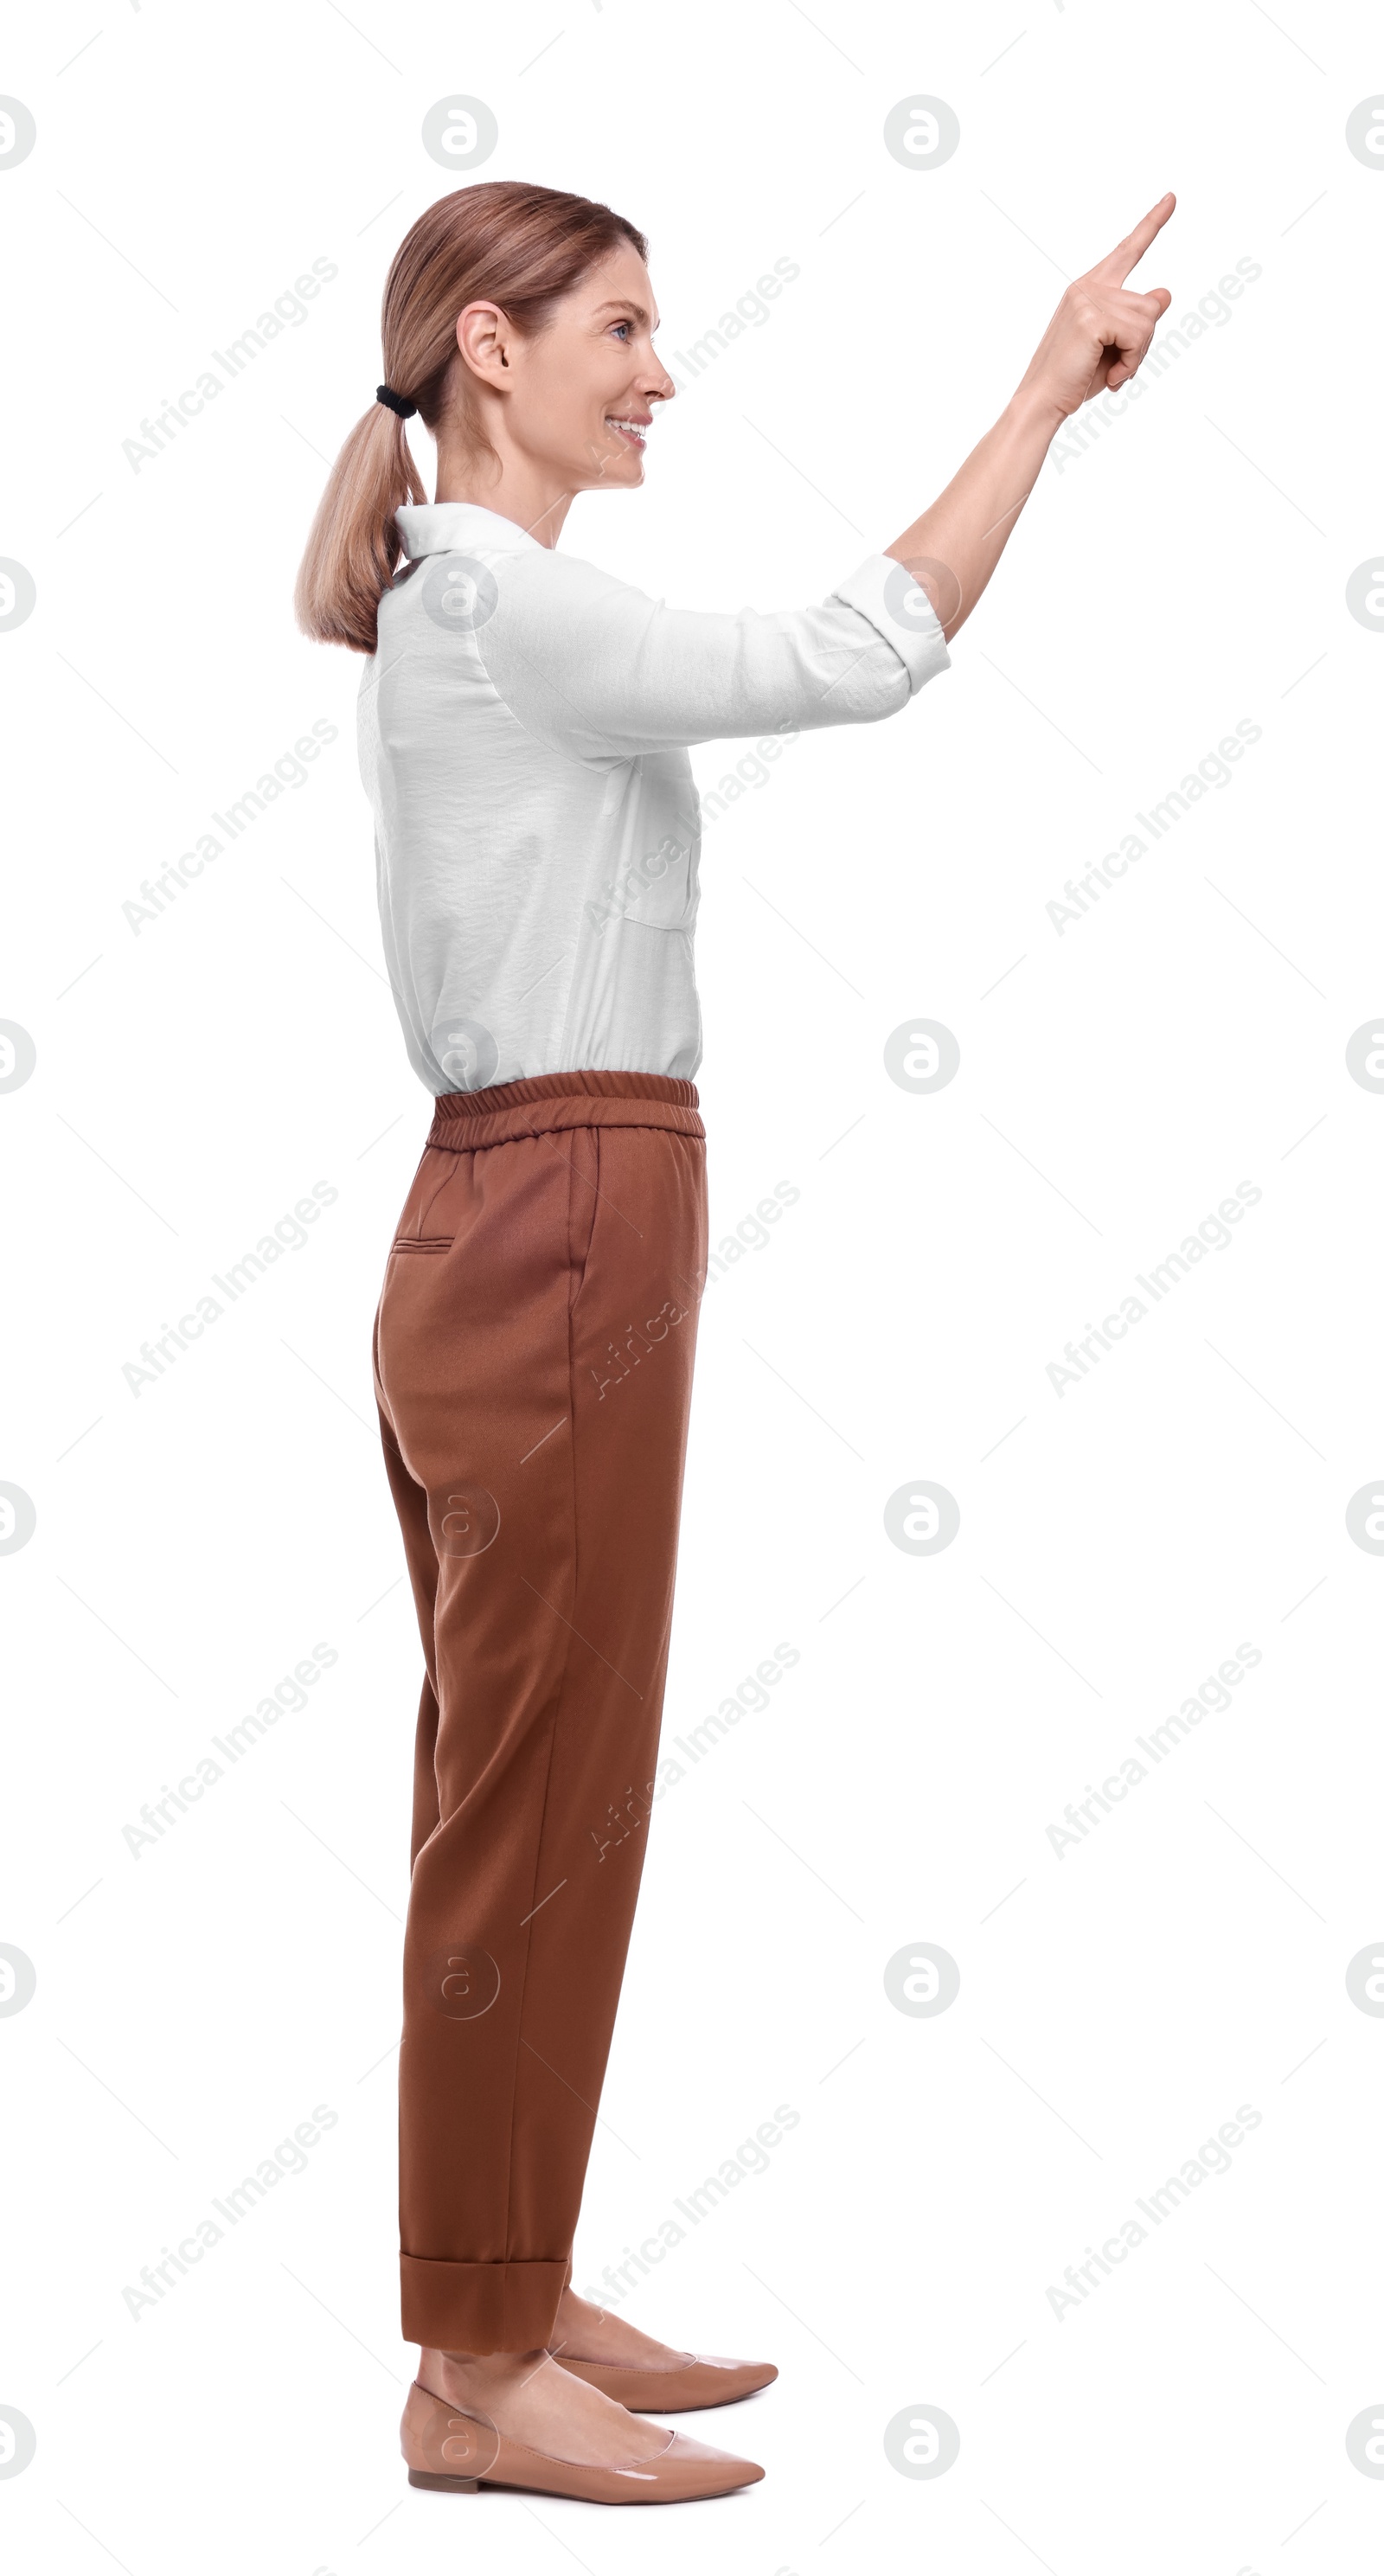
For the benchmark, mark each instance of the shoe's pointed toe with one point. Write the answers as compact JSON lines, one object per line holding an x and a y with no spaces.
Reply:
{"x":685,"y":2450}
{"x":734,"y":2378}
{"x":698,"y":2379}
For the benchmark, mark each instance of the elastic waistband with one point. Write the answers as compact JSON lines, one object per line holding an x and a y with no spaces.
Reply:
{"x":546,"y":1102}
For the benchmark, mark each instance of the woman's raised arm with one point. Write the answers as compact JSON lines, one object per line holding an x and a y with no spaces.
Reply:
{"x":1094,"y":343}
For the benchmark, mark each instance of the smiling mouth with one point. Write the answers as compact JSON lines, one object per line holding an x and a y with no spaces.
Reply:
{"x":634,"y":430}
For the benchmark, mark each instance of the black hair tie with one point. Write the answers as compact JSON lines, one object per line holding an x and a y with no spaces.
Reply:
{"x":395,"y":402}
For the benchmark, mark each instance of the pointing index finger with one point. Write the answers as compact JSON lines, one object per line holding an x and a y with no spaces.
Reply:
{"x":1116,"y":265}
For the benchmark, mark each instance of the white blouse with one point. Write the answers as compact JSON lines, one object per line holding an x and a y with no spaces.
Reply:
{"x":524,"y":724}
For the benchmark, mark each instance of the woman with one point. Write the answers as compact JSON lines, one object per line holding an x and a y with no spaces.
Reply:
{"x":524,"y":723}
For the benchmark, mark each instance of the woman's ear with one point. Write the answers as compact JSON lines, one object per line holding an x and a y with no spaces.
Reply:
{"x":482,"y":330}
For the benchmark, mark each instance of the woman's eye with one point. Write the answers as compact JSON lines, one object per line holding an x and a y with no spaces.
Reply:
{"x":622,"y":326}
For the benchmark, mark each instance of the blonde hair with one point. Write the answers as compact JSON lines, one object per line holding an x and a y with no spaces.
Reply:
{"x":504,"y":243}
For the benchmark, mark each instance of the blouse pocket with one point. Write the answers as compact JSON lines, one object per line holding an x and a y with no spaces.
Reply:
{"x":652,"y":833}
{"x":663,"y":890}
{"x":658,"y":889}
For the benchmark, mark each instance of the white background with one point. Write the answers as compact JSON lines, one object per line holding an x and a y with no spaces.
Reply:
{"x":1117,"y":1541}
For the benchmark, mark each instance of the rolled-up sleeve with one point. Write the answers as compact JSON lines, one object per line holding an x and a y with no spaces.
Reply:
{"x":597,"y":669}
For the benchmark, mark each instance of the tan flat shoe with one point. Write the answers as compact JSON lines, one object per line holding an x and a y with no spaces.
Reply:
{"x":700,"y":2379}
{"x":446,"y":2448}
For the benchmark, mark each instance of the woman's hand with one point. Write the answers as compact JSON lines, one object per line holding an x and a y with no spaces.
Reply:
{"x":1101,"y":330}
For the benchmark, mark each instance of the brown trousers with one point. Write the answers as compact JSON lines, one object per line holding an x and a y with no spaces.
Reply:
{"x":533,"y":1363}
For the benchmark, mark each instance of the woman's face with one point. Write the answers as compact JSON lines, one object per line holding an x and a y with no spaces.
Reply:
{"x":577,"y":399}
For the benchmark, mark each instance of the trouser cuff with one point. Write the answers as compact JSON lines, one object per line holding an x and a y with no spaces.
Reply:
{"x":480,"y":2307}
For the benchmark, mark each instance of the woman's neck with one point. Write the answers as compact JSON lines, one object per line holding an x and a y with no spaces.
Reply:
{"x":512,"y":487}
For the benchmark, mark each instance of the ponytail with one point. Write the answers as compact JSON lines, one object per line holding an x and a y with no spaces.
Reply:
{"x":505,"y":243}
{"x":353,"y":546}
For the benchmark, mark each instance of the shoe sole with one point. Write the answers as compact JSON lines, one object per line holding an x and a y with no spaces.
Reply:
{"x":440,"y":2485}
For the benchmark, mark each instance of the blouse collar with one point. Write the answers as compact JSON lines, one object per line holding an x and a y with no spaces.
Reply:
{"x":448,"y":527}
